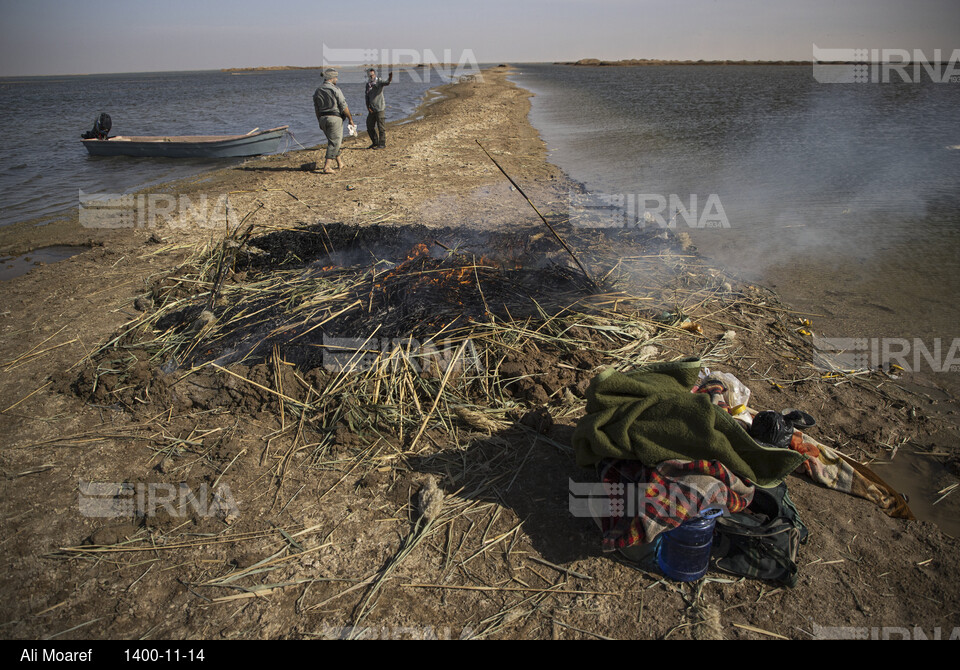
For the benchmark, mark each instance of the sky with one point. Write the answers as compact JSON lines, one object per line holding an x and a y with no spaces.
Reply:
{"x":53,"y":37}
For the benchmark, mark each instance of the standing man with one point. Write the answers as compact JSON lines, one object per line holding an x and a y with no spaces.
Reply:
{"x":376,"y":109}
{"x":331,"y":108}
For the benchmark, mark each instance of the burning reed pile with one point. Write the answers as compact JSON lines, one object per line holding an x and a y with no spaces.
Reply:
{"x":356,"y":329}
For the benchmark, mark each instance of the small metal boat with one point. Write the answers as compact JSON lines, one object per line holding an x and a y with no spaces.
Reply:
{"x":254,"y":143}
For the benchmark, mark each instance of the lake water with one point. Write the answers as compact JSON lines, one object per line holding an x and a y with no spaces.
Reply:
{"x":43,"y":164}
{"x":846,"y":197}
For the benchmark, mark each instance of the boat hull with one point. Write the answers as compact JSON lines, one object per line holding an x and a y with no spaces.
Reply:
{"x":229,"y":146}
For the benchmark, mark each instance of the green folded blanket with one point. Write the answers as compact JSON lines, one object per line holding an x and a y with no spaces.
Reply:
{"x":651,"y":416}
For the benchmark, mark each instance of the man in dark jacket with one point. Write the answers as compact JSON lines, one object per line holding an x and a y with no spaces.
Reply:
{"x":331,"y":108}
{"x":376,"y":109}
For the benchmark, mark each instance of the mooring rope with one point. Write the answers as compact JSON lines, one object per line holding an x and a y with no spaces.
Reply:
{"x":290,"y":136}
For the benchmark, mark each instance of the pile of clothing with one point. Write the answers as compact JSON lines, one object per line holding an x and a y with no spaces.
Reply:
{"x":684,"y":440}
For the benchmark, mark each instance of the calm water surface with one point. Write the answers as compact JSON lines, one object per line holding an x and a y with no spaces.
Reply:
{"x":43,"y":164}
{"x":845,"y":196}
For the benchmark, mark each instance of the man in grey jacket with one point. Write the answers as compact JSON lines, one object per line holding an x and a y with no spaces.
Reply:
{"x":376,"y":109}
{"x":331,"y":108}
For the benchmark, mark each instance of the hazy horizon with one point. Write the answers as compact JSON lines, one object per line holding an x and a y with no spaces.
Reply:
{"x":64,"y":38}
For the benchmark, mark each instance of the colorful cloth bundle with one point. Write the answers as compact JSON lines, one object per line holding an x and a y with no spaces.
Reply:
{"x":652,"y":500}
{"x":836,"y":471}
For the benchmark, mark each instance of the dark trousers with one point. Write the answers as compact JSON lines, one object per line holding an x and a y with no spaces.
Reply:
{"x":376,"y":128}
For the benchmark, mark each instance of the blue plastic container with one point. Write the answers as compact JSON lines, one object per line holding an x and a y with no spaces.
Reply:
{"x":684,"y":552}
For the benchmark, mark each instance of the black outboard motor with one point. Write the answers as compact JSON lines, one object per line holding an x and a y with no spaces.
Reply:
{"x":101,"y":128}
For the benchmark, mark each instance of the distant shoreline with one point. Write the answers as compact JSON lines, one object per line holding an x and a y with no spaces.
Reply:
{"x":271,"y":68}
{"x":596,"y":62}
{"x":588,"y":62}
{"x":636,"y":62}
{"x":275,"y":68}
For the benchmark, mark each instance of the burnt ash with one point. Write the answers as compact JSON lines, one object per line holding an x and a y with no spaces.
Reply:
{"x":391,"y":282}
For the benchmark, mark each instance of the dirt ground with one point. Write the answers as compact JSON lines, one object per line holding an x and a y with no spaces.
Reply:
{"x":326,"y":535}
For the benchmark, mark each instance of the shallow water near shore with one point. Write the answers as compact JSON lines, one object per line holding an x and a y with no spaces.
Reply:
{"x":926,"y":483}
{"x":15,"y":266}
{"x":844,"y":198}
